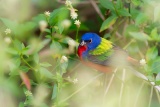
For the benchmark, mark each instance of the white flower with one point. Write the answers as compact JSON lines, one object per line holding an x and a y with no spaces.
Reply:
{"x":77,"y":22}
{"x":28,"y":93}
{"x":7,"y":31}
{"x":47,"y":13}
{"x":142,"y":62}
{"x":74,"y":15}
{"x":75,"y":81}
{"x":43,"y":25}
{"x":71,"y":42}
{"x":7,"y":40}
{"x":63,"y":59}
{"x":66,"y":23}
{"x":68,"y":3}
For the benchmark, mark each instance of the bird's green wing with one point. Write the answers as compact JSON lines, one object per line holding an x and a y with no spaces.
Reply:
{"x":107,"y":54}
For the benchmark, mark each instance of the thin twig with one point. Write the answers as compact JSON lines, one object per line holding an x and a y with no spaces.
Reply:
{"x":109,"y":84}
{"x":97,"y":9}
{"x":139,"y":92}
{"x":79,"y":2}
{"x":150,"y":98}
{"x":122,"y":86}
{"x":81,"y":88}
{"x":158,"y":96}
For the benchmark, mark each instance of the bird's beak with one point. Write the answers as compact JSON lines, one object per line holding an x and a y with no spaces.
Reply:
{"x":82,"y":43}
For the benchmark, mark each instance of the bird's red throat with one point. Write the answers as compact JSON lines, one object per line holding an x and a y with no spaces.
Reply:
{"x":80,"y":51}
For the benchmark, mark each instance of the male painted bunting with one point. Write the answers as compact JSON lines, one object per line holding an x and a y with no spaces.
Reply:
{"x":102,"y":54}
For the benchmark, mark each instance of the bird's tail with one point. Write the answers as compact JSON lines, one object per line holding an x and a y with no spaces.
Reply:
{"x":133,"y":61}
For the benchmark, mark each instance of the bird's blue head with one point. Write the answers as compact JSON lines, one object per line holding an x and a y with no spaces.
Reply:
{"x":89,"y":41}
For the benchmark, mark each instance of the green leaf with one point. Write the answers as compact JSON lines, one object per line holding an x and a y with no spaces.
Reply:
{"x":154,"y":35}
{"x":48,"y":31}
{"x":123,"y":12}
{"x":107,"y":35}
{"x":45,"y":64}
{"x":152,"y":53}
{"x":60,"y":28}
{"x":45,"y":73}
{"x":56,"y":46}
{"x":141,"y":18}
{"x":156,"y":66}
{"x":21,"y":104}
{"x":156,"y":13}
{"x":36,"y":58}
{"x":18,"y":45}
{"x":10,"y":24}
{"x":107,"y":4}
{"x":136,"y":2}
{"x":131,"y":28}
{"x":108,"y":22}
{"x":58,"y":15}
{"x":119,"y":4}
{"x":139,"y":36}
{"x":48,"y":36}
{"x":24,"y":68}
{"x":55,"y":91}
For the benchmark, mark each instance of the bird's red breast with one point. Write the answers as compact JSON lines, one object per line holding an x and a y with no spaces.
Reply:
{"x":81,"y":49}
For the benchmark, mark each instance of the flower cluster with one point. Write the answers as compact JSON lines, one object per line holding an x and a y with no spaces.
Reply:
{"x":74,"y":81}
{"x":7,"y":39}
{"x":47,"y":13}
{"x":142,"y":62}
{"x":73,"y":13}
{"x":63,"y":59}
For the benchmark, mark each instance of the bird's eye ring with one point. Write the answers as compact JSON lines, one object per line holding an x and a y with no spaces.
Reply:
{"x":90,"y":40}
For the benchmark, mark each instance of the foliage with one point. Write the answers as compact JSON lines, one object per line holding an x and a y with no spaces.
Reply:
{"x":39,"y":53}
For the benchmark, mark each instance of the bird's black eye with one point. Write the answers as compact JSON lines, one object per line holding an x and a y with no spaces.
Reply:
{"x":88,"y":41}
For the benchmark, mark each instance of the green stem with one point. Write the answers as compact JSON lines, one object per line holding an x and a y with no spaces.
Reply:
{"x":77,"y":34}
{"x":81,"y":88}
{"x":27,"y":63}
{"x":115,"y":8}
{"x":129,"y":44}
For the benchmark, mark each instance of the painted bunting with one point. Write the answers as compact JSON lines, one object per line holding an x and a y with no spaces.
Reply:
{"x":102,"y":54}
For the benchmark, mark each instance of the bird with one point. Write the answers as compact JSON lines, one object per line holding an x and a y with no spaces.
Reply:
{"x":102,"y":54}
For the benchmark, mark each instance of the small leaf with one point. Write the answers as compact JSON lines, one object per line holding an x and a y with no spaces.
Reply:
{"x":25,"y":80}
{"x":156,"y":67}
{"x":154,"y":35}
{"x":107,"y":4}
{"x":17,"y":45}
{"x":141,"y":18}
{"x":48,"y":31}
{"x":156,"y":13}
{"x":108,"y":22}
{"x":48,"y":36}
{"x":55,"y":91}
{"x":24,"y":68}
{"x":136,"y":2}
{"x":107,"y":35}
{"x":44,"y":72}
{"x":36,"y":58}
{"x":21,"y":104}
{"x":152,"y":53}
{"x":45,"y":64}
{"x":123,"y":12}
{"x":139,"y":36}
{"x":60,"y":28}
{"x":56,"y":46}
{"x":58,"y":15}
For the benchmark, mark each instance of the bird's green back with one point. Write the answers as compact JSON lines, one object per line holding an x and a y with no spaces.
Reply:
{"x":103,"y":50}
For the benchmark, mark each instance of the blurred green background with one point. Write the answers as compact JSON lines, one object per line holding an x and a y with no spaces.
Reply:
{"x":39,"y":63}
